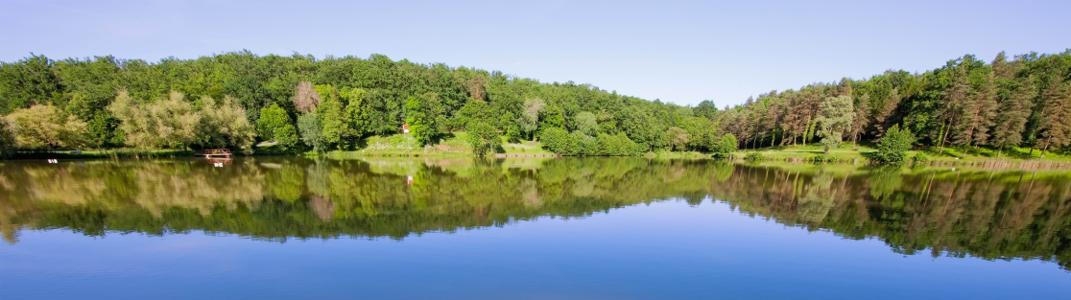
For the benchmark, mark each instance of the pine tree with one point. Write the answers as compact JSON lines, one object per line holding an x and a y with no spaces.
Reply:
{"x":1013,"y":113}
{"x":977,"y":111}
{"x":1056,"y":116}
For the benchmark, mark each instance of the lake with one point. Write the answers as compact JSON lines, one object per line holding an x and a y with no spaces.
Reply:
{"x":590,"y":228}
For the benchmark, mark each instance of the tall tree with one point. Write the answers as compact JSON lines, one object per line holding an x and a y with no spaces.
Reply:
{"x":1056,"y":119}
{"x":1013,"y":114}
{"x":835,"y":118}
{"x":421,"y":115}
{"x":977,"y":111}
{"x":529,"y":119}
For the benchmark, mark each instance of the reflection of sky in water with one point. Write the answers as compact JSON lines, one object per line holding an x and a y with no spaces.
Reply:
{"x":662,"y":250}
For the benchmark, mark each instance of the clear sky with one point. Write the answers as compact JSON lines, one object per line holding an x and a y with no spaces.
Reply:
{"x":676,"y":51}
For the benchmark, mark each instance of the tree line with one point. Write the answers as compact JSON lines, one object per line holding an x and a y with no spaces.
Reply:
{"x":1023,"y":101}
{"x":296,"y":103}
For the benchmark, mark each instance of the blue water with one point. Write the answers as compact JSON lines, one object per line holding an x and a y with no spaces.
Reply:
{"x":667,"y":249}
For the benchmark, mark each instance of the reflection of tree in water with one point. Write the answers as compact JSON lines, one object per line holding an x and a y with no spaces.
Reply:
{"x":990,"y":215}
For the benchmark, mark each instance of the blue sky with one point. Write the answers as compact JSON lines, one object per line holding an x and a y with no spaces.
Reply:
{"x":676,"y":51}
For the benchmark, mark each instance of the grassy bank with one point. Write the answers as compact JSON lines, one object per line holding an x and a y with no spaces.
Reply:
{"x":856,"y":155}
{"x":455,"y":145}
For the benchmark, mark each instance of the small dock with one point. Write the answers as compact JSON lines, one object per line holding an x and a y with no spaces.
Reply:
{"x":217,"y":153}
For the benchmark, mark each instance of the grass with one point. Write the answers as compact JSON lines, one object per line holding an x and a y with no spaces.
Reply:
{"x":934,"y":157}
{"x":452,"y":146}
{"x":102,"y":153}
{"x":663,"y":155}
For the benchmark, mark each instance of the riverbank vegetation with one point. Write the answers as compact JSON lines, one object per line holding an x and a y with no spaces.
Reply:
{"x":292,"y":104}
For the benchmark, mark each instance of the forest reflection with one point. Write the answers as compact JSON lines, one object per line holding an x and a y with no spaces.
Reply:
{"x":1011,"y":215}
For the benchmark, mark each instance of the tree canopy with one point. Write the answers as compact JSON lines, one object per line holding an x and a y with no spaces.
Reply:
{"x":336,"y":102}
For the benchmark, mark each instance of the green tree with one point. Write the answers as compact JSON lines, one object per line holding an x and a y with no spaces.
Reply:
{"x":274,"y":124}
{"x":893,"y":147}
{"x":336,"y":129}
{"x":482,"y":137}
{"x":835,"y":116}
{"x":421,"y":113}
{"x":678,"y":138}
{"x":45,"y":127}
{"x":586,"y":123}
{"x":312,"y":131}
{"x":1013,"y":114}
{"x":529,"y":120}
{"x":559,"y":141}
{"x":706,"y":109}
{"x":617,"y":145}
{"x":724,"y":146}
{"x":224,"y":124}
{"x":168,"y":123}
{"x":1056,"y":118}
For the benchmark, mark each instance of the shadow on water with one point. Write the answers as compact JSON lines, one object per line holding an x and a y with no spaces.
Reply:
{"x":1009,"y":215}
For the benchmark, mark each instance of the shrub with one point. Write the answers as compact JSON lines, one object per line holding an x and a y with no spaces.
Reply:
{"x":617,"y":145}
{"x":559,"y":141}
{"x":482,"y":137}
{"x":754,"y":156}
{"x":45,"y":127}
{"x":724,"y":146}
{"x":894,"y":145}
{"x":919,"y":158}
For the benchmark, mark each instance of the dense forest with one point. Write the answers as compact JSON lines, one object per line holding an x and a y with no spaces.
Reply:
{"x":297,"y":103}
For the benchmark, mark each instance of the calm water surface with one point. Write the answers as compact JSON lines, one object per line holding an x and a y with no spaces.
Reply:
{"x":563,"y":228}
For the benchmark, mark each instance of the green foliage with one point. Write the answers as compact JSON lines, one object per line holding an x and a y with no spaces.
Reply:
{"x":893,"y":147}
{"x":335,"y":124}
{"x":224,"y":124}
{"x":835,"y":118}
{"x":274,"y":124}
{"x":559,"y":141}
{"x":724,"y":146}
{"x":678,"y":138}
{"x":529,"y":118}
{"x":7,"y":138}
{"x":312,"y":131}
{"x":168,"y":123}
{"x":44,"y":127}
{"x":586,"y":123}
{"x":617,"y":145}
{"x":1009,"y":103}
{"x":562,"y":142}
{"x":754,"y":156}
{"x":422,"y":116}
{"x":482,"y":137}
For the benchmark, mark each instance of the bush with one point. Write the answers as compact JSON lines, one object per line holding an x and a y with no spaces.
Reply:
{"x":562,"y":142}
{"x":894,"y":145}
{"x":585,"y":144}
{"x":617,"y":145}
{"x":919,"y":158}
{"x":45,"y":127}
{"x":482,"y":137}
{"x":274,"y":125}
{"x":559,"y":141}
{"x":724,"y":146}
{"x":754,"y":156}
